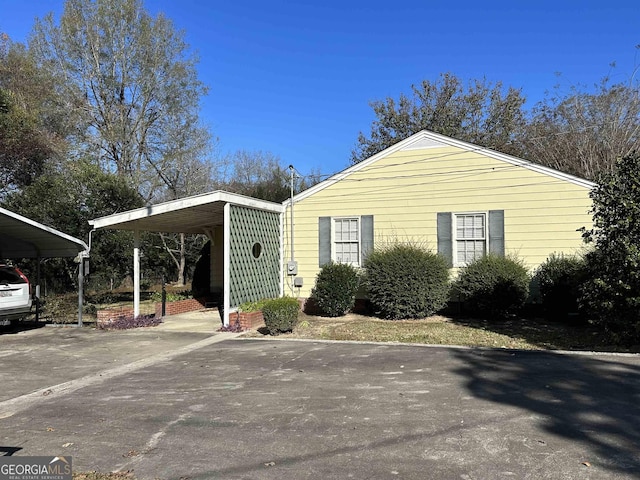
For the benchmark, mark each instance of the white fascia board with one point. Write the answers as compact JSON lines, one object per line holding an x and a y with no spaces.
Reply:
{"x":184,"y":203}
{"x":354,"y":168}
{"x":251,"y":202}
{"x":42,"y":227}
{"x":510,"y":159}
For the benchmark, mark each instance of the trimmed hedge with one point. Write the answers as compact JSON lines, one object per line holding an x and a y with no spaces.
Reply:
{"x":335,"y":289}
{"x":560,"y":279}
{"x":280,"y":314}
{"x":493,"y":286}
{"x":406,"y":281}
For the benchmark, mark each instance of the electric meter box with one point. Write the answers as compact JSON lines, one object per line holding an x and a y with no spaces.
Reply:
{"x":292,"y":267}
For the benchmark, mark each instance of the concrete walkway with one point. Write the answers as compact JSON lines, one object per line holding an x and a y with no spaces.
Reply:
{"x":201,"y":321}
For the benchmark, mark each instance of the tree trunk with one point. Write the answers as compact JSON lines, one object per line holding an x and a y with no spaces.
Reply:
{"x":183,"y":260}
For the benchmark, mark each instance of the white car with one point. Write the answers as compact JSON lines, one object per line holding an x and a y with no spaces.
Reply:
{"x":15,"y":294}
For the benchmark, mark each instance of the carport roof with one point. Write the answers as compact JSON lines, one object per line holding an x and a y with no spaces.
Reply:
{"x":21,"y":237}
{"x":186,"y":215}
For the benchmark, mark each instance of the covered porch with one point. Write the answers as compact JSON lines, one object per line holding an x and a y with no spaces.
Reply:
{"x":246,"y":242}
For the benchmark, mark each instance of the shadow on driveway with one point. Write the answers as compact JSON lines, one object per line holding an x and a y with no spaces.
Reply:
{"x":584,"y":399}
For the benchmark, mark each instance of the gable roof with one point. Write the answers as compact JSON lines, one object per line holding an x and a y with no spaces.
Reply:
{"x":425,"y":140}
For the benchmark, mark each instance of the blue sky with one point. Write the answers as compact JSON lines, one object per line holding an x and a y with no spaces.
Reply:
{"x":296,"y":78}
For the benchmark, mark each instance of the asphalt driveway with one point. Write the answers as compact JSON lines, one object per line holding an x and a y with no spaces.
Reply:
{"x":196,"y":406}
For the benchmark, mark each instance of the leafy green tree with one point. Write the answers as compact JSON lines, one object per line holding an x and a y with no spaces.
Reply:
{"x":67,"y":201}
{"x":611,"y":295}
{"x":33,"y":120}
{"x":482,"y":112}
{"x":130,"y":79}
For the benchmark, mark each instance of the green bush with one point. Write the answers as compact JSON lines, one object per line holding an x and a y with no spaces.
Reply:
{"x":493,"y":286}
{"x":560,"y":279}
{"x":280,"y":314}
{"x":406,"y":281}
{"x":335,"y":290}
{"x":255,"y":306}
{"x":611,"y":299}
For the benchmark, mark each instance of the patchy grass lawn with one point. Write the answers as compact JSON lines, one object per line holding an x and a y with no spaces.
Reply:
{"x":103,"y":476}
{"x":518,"y":333}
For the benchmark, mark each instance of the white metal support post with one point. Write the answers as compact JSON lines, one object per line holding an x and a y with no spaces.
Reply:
{"x":226,"y":295}
{"x":80,"y":286}
{"x":136,"y":274}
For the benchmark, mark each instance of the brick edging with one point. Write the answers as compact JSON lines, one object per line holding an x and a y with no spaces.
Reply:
{"x":247,"y":320}
{"x":180,"y":306}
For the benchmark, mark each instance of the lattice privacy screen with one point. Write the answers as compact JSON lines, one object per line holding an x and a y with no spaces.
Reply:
{"x":254,"y":255}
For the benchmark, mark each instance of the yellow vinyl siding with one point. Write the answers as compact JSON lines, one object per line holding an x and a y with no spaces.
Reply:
{"x":405,"y":190}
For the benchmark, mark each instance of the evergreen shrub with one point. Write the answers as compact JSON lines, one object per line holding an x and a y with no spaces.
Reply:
{"x":560,"y":279}
{"x":611,"y":293}
{"x":493,"y":286}
{"x":406,"y":281}
{"x":335,"y":289}
{"x":280,"y":314}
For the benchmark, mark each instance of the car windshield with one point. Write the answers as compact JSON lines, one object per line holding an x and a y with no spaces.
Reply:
{"x":8,"y":275}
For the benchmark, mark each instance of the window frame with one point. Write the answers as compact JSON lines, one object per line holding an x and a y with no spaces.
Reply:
{"x":454,"y":234}
{"x":333,"y":238}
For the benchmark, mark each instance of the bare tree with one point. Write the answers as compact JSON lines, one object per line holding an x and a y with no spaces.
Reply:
{"x":262,"y":175}
{"x":584,"y":133}
{"x":131,"y":80}
{"x":184,"y":177}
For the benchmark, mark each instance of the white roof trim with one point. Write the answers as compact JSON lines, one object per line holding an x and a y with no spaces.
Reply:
{"x":35,"y":224}
{"x":414,"y":141}
{"x":40,"y":226}
{"x":185,"y":203}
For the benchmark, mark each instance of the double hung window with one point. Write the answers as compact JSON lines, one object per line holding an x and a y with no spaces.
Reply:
{"x":346,"y":240}
{"x":466,"y":236}
{"x":470,"y":237}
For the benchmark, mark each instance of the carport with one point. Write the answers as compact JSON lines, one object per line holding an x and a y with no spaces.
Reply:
{"x":21,"y":237}
{"x":245,"y":234}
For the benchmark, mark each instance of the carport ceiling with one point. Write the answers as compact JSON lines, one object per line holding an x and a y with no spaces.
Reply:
{"x":21,"y":237}
{"x":193,"y":214}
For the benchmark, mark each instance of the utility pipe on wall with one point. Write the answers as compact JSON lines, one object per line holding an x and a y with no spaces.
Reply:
{"x":292,"y":170}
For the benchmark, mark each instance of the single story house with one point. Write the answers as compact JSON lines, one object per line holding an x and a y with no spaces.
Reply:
{"x":456,"y":198}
